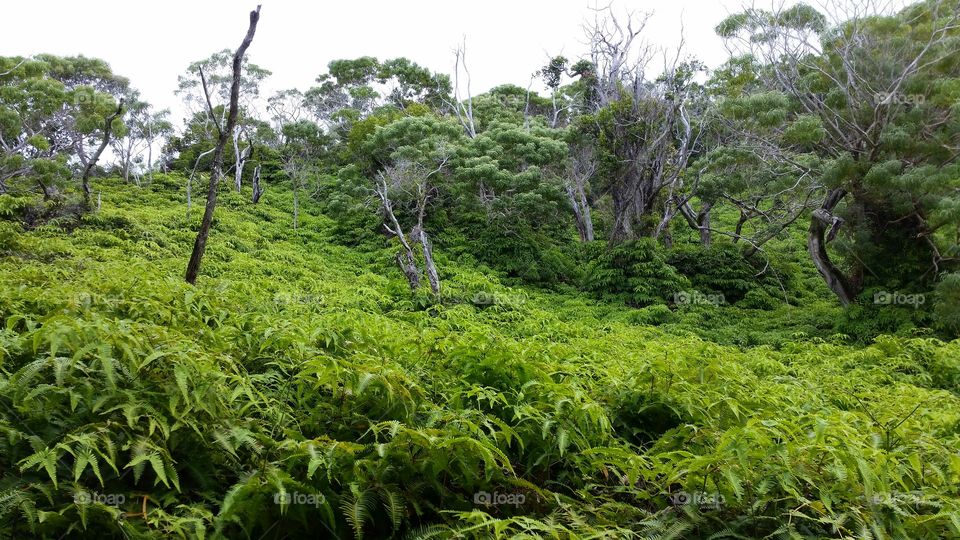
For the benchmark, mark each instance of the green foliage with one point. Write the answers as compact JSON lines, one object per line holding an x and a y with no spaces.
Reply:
{"x":664,"y":384}
{"x":633,"y":272}
{"x":876,"y":149}
{"x":297,"y":390}
{"x":351,"y":90}
{"x":722,"y":269}
{"x":947,"y":303}
{"x":50,"y":107}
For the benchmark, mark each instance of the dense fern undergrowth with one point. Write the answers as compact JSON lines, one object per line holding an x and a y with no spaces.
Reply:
{"x":300,"y":391}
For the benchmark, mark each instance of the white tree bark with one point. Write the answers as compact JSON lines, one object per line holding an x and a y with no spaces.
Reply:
{"x":462,"y":108}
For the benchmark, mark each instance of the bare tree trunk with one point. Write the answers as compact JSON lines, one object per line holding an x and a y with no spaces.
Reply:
{"x":699,"y":221}
{"x":415,"y":178}
{"x":257,"y":189}
{"x":107,"y":128}
{"x":431,"y":268}
{"x":240,"y":157}
{"x":577,"y":214}
{"x":463,"y":111}
{"x":582,"y":166}
{"x":49,"y":192}
{"x":127,"y":158}
{"x":703,"y":223}
{"x":587,"y":217}
{"x":407,"y":260}
{"x":408,"y":265}
{"x":817,"y":239}
{"x":581,"y":212}
{"x":237,"y":159}
{"x":200,"y":245}
{"x":739,"y":228}
{"x":623,"y":212}
{"x":150,"y":152}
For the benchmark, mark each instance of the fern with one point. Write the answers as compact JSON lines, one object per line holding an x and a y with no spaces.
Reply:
{"x":304,"y":367}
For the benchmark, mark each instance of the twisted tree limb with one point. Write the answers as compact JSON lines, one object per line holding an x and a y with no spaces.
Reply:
{"x":817,"y":238}
{"x":107,"y":129}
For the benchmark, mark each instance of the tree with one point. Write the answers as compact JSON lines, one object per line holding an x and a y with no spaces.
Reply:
{"x":352,"y":90}
{"x":206,"y":88}
{"x":410,"y":156}
{"x":462,"y":107}
{"x":92,"y":161}
{"x":564,"y":100}
{"x":865,"y":93}
{"x":286,"y":107}
{"x":29,"y":105}
{"x":154,"y":127}
{"x":769,"y":195}
{"x":411,"y":180}
{"x":642,"y":126}
{"x":55,"y":114}
{"x":224,"y":131}
{"x":96,"y":115}
{"x":144,"y":129}
{"x":511,"y":176}
{"x":407,"y":82}
{"x":510,"y":104}
{"x":581,"y":168}
{"x":304,"y":145}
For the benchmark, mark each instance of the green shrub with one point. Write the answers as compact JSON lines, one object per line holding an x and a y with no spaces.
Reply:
{"x":654,"y":315}
{"x":633,"y":272}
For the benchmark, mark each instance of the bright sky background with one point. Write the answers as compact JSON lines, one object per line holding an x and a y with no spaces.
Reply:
{"x":152,"y":42}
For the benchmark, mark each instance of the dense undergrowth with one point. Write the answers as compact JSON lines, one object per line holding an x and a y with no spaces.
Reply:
{"x":300,"y":390}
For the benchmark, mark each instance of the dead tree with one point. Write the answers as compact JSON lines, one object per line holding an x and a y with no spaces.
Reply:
{"x":405,"y":259}
{"x":411,"y":180}
{"x":92,"y":162}
{"x":257,"y":188}
{"x":462,"y":107}
{"x":581,"y":168}
{"x":240,"y":156}
{"x":224,"y":132}
{"x":649,"y":128}
{"x":432,"y":276}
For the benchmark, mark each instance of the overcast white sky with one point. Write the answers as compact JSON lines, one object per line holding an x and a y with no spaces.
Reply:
{"x":153,"y":42}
